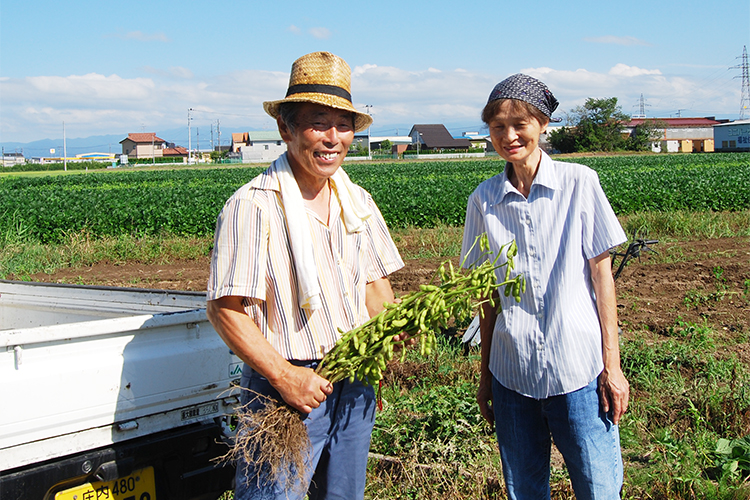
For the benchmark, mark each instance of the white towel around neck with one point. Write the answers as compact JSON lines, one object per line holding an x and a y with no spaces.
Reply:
{"x":354,"y":212}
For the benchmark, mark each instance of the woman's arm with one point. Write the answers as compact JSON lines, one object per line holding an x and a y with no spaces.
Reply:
{"x":614,"y":387}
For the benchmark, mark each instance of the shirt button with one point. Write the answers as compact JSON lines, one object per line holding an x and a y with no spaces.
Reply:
{"x":531,"y":252}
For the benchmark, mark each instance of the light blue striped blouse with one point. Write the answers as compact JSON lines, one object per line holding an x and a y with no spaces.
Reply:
{"x":550,"y":343}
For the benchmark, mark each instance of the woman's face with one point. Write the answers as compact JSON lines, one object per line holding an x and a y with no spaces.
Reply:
{"x":515,"y":133}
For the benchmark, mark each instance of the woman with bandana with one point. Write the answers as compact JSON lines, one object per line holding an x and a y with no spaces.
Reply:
{"x":550,"y":368}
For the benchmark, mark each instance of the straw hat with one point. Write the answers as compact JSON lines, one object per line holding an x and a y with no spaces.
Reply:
{"x":321,"y":78}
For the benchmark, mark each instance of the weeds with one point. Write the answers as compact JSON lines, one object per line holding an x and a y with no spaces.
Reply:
{"x":687,"y":395}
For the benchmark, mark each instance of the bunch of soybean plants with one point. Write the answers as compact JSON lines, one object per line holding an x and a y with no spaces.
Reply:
{"x":274,"y":437}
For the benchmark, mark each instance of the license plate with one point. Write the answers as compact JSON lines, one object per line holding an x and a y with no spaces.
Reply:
{"x":139,"y":485}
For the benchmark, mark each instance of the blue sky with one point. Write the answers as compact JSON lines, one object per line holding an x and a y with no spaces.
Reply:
{"x":109,"y":67}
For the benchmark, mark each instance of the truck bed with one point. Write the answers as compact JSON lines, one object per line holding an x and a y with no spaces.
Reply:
{"x":83,"y":367}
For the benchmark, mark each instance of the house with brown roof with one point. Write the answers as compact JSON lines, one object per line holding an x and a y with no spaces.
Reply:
{"x":680,"y":135}
{"x":143,"y":145}
{"x":435,"y":137}
{"x":178,"y":153}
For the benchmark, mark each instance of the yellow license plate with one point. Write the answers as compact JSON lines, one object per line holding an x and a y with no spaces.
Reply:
{"x":139,"y":485}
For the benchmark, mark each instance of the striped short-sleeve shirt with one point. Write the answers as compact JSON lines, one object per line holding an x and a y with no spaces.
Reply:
{"x":550,"y":343}
{"x":252,"y":259}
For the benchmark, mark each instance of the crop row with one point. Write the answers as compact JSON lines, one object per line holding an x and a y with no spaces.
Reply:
{"x":424,"y":194}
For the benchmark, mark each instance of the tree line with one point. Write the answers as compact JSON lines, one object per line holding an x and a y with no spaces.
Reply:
{"x":598,"y":126}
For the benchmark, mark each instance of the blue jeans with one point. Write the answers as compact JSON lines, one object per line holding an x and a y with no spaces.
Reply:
{"x":588,"y":440}
{"x":339,"y":431}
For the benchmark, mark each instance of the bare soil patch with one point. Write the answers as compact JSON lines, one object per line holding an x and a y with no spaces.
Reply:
{"x":705,"y":281}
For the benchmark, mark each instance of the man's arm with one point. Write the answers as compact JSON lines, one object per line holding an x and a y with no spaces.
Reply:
{"x":300,"y":387}
{"x":614,"y":387}
{"x":376,"y":293}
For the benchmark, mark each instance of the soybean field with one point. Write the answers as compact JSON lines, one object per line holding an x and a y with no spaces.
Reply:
{"x":426,"y":194}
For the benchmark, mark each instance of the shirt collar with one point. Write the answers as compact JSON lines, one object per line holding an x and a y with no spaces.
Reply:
{"x":268,"y":180}
{"x":546,"y":177}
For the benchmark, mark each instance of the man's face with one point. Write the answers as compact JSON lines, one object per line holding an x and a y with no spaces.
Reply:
{"x":319,"y":143}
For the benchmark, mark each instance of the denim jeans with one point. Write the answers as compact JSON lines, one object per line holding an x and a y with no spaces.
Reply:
{"x":588,"y":440}
{"x":339,"y":431}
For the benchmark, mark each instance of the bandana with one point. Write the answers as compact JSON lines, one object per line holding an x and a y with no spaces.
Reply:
{"x":525,"y":88}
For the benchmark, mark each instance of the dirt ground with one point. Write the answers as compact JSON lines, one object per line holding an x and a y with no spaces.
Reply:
{"x":692,"y":282}
{"x":706,"y":281}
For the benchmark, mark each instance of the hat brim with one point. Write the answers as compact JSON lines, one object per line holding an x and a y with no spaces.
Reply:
{"x":361,"y":120}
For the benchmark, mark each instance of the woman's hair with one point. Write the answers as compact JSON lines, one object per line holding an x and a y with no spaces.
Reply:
{"x":516,"y":106}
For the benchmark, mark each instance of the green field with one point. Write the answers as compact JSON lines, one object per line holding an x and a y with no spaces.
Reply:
{"x":684,"y":434}
{"x":186,"y":202}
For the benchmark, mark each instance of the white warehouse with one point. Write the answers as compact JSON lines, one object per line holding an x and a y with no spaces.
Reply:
{"x":732,"y":136}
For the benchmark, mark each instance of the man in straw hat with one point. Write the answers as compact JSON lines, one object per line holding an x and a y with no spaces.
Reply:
{"x":301,"y":253}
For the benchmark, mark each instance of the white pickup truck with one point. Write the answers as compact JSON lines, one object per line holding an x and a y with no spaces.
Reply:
{"x":112,"y":393}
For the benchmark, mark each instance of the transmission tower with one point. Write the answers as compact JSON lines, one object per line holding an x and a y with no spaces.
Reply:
{"x":745,"y":100}
{"x":641,"y":108}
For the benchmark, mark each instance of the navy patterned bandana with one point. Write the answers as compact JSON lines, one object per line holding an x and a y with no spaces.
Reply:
{"x":525,"y":88}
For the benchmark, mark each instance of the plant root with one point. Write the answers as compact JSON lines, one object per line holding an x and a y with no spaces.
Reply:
{"x":274,"y":442}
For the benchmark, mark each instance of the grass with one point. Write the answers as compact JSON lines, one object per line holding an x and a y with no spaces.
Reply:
{"x":690,"y":391}
{"x":21,"y":256}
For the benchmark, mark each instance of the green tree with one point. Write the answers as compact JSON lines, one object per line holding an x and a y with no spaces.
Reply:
{"x":563,"y":139}
{"x":599,"y":125}
{"x":644,"y":134}
{"x":386,"y":145}
{"x":595,"y":126}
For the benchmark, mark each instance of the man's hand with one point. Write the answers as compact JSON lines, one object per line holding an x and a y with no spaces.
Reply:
{"x":302,"y":388}
{"x":614,"y":393}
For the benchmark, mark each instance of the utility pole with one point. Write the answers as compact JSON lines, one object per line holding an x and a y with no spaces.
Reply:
{"x":369,"y":150}
{"x":190,"y":144}
{"x":218,"y":132}
{"x":65,"y":151}
{"x":745,"y":100}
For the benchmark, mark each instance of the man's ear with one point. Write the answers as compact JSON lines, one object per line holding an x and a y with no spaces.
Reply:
{"x":286,"y":134}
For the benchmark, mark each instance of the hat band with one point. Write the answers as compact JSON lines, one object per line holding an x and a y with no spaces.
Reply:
{"x":319,"y":89}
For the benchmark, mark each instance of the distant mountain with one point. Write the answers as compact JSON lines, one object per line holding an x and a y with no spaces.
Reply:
{"x":111,"y":143}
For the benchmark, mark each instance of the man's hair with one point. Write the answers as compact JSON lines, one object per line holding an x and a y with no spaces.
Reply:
{"x":288,"y":112}
{"x":516,"y":106}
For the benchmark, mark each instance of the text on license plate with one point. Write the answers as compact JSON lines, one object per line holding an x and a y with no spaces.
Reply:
{"x":139,"y":485}
{"x":200,"y":411}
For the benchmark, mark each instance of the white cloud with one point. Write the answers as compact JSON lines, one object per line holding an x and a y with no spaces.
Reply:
{"x":320,"y":33}
{"x":617,"y":40}
{"x":294,"y":29}
{"x":625,"y":70}
{"x":95,"y":104}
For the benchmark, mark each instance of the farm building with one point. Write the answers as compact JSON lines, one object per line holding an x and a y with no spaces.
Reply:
{"x":11,"y":159}
{"x":144,"y":145}
{"x":435,"y":137}
{"x":258,"y":146}
{"x":399,"y":143}
{"x":476,"y":139}
{"x":177,"y":152}
{"x":732,"y":136}
{"x":680,"y":135}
